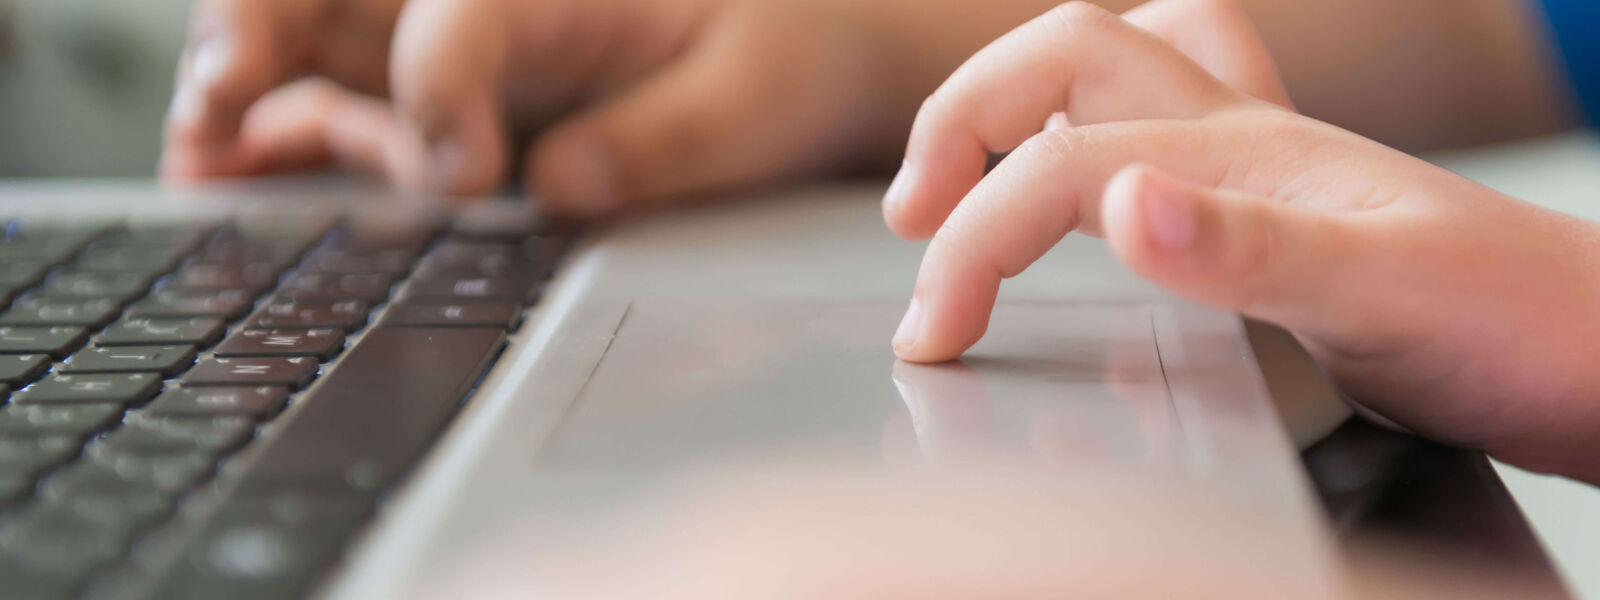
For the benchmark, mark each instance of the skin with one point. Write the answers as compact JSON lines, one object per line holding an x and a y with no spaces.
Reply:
{"x":1170,"y":133}
{"x":1220,"y":193}
{"x":615,"y":105}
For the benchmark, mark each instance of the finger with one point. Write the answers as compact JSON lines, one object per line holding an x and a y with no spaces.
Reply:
{"x":1077,"y":59}
{"x":235,"y":55}
{"x":1256,"y":256}
{"x":1219,"y":36}
{"x":709,"y":120}
{"x":315,"y":123}
{"x":447,"y":83}
{"x":1048,"y":187}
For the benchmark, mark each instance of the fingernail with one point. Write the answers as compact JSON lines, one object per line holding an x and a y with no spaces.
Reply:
{"x":896,"y":194}
{"x":211,"y":61}
{"x":185,"y":108}
{"x":1169,"y":212}
{"x":905,"y":337}
{"x":584,"y":178}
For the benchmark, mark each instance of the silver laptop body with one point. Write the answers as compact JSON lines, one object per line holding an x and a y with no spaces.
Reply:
{"x":754,"y":333}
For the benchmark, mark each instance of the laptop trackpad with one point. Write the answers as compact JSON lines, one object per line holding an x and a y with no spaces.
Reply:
{"x":692,"y":386}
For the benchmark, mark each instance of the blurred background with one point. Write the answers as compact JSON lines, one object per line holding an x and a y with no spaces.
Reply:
{"x":84,"y":83}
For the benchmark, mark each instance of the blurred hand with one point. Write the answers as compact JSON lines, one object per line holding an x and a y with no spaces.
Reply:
{"x":627,"y":102}
{"x":1453,"y":310}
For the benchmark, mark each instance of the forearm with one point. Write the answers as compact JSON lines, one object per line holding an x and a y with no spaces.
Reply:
{"x":1418,"y":74}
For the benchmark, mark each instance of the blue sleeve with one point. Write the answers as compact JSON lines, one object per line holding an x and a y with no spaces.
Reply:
{"x":1575,"y":24}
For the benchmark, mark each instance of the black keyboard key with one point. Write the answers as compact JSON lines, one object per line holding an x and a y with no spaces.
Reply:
{"x":17,"y":274}
{"x":119,"y":473}
{"x":236,"y":251}
{"x":348,"y":315}
{"x":256,"y":277}
{"x":257,"y":402}
{"x":63,"y":543}
{"x":292,"y":372}
{"x":55,"y":341}
{"x":123,"y":389}
{"x":389,"y":262}
{"x":90,"y":476}
{"x":485,"y":259}
{"x":58,"y":419}
{"x":276,"y":222}
{"x":36,"y":311}
{"x":228,"y":304}
{"x":500,"y":220}
{"x":127,"y":511}
{"x":370,"y":287}
{"x":181,"y":236}
{"x":145,"y":434}
{"x":166,"y":360}
{"x":362,"y":427}
{"x":14,"y":488}
{"x":32,"y":455}
{"x":272,"y":549}
{"x":532,"y":260}
{"x":414,"y":313}
{"x":82,"y":285}
{"x":454,"y":288}
{"x":46,"y":250}
{"x":17,"y":370}
{"x":321,"y":343}
{"x":201,"y":331}
{"x":27,"y":583}
{"x":79,"y":231}
{"x":546,"y":249}
{"x":128,"y":258}
{"x":372,"y":231}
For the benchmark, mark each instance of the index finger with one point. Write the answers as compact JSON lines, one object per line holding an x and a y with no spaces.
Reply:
{"x":234,"y":56}
{"x":1078,"y":59}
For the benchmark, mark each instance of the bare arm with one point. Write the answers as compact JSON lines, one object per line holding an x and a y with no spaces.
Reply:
{"x":1419,"y":74}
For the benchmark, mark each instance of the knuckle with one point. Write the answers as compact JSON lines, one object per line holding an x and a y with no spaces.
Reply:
{"x":964,"y":241}
{"x":1055,"y":145}
{"x":1079,"y":16}
{"x":934,"y":105}
{"x":1216,"y":10}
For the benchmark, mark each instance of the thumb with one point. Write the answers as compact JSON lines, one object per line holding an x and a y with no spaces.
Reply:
{"x":1255,"y":256}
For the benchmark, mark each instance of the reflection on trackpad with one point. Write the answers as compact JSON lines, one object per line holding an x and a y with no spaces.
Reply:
{"x":684,"y":387}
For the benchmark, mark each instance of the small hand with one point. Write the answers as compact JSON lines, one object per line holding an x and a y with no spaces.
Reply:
{"x":625,"y":104}
{"x":1445,"y":306}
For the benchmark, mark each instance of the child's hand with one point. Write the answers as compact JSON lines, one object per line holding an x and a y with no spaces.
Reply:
{"x":1453,"y":310}
{"x":632,"y":101}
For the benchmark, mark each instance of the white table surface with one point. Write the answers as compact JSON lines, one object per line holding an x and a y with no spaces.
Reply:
{"x":1562,"y":173}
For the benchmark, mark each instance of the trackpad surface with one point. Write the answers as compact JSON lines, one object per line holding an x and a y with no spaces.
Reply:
{"x":691,"y":386}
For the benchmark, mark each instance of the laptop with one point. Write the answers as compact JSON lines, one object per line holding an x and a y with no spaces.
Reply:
{"x":307,"y":390}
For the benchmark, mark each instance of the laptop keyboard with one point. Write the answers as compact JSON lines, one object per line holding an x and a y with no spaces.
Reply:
{"x":214,"y":410}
